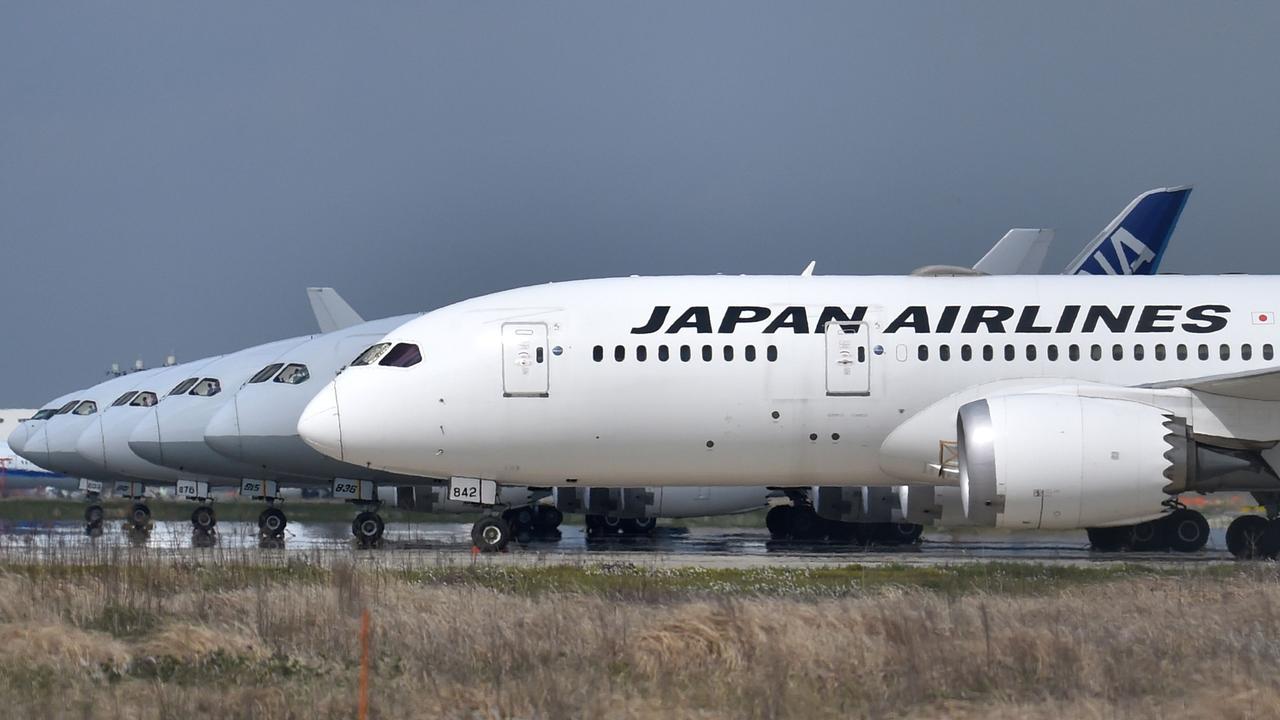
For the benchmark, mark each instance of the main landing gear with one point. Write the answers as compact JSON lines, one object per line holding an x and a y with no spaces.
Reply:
{"x":523,"y":524}
{"x":1183,"y":530}
{"x":601,"y":526}
{"x":800,"y":522}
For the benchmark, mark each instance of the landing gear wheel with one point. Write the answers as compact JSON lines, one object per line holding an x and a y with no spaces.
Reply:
{"x":491,"y":534}
{"x":806,"y":525}
{"x":841,"y":532}
{"x":140,"y":516}
{"x":368,"y":528}
{"x":778,"y":520}
{"x":1270,"y":542}
{"x":93,"y":516}
{"x":594,"y":525}
{"x":612,"y":525}
{"x":547,"y":518}
{"x":272,"y":522}
{"x":203,"y":519}
{"x":1244,"y":536}
{"x":1108,"y":539}
{"x":1187,"y":531}
{"x":898,"y":533}
{"x":639,"y":526}
{"x":1147,"y":536}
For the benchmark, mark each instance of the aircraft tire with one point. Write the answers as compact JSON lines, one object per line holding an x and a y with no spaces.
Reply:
{"x":272,"y":522}
{"x":1107,"y":539}
{"x":842,"y":532}
{"x":639,"y":526}
{"x":93,"y":516}
{"x":547,"y":518}
{"x":1187,"y":531}
{"x":1244,"y":536}
{"x":1147,"y":536}
{"x":491,"y":534}
{"x":140,"y":516}
{"x":899,"y":533}
{"x":204,"y":519}
{"x":368,"y":528}
{"x":778,"y":521}
{"x":1269,"y":543}
{"x":806,"y":525}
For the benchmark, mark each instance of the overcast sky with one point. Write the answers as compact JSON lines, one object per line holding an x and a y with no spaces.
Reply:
{"x":173,"y":174}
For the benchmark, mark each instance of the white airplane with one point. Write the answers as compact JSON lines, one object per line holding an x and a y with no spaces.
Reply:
{"x":18,"y":473}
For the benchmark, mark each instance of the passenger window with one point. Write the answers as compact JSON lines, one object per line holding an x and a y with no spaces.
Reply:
{"x":1095,"y":352}
{"x":184,"y":386}
{"x":922,"y":352}
{"x":944,"y":352}
{"x":685,"y":353}
{"x":642,"y":353}
{"x":966,"y":353}
{"x":1052,"y":352}
{"x":750,"y":353}
{"x":987,"y":353}
{"x":664,"y":353}
{"x":124,"y":399}
{"x":619,"y":354}
{"x":88,"y":407}
{"x":1010,"y":353}
{"x":1031,"y":352}
{"x":1138,"y":352}
{"x":207,"y":387}
{"x":145,"y":399}
{"x":1246,"y":352}
{"x":1224,"y":352}
{"x":266,"y":373}
{"x":706,"y":353}
{"x":1182,"y":351}
{"x":293,"y":374}
{"x":1267,"y":353}
{"x":1203,"y":352}
{"x":771,"y":353}
{"x":402,"y":355}
{"x":597,"y":353}
{"x":1073,"y":353}
{"x":372,"y":355}
{"x":1160,"y":351}
{"x":728,"y":353}
{"x":1117,"y":352}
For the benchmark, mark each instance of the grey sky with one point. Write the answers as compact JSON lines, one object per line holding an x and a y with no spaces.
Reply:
{"x":172,"y":175}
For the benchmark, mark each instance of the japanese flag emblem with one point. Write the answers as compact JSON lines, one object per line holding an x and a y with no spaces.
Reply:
{"x":1264,"y":317}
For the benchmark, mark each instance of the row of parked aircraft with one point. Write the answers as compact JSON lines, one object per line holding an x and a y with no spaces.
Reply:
{"x":876,"y":405}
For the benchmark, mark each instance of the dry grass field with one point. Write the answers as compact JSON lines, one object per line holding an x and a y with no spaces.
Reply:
{"x":250,"y":635}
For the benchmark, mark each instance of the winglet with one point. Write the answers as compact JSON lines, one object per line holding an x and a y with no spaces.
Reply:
{"x":808,"y":269}
{"x":1134,"y":242}
{"x":332,"y":312}
{"x":1020,"y":252}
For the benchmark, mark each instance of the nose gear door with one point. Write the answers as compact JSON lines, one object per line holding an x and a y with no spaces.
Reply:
{"x":524,"y":360}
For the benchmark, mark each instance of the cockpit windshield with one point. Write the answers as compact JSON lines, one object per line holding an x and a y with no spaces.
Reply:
{"x":67,"y":408}
{"x":265,"y":373}
{"x":293,"y":374}
{"x":208,"y":387}
{"x":124,"y":399}
{"x":88,"y":407}
{"x":402,"y":355}
{"x":45,"y":414}
{"x":145,"y":399}
{"x":184,"y":386}
{"x":372,"y":355}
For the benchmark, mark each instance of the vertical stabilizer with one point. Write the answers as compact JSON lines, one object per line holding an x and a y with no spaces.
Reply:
{"x":332,"y":312}
{"x":1134,"y":242}
{"x":1020,"y":252}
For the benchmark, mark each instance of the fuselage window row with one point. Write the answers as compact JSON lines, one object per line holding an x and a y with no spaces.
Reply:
{"x":1096,"y":352}
{"x":686,"y":352}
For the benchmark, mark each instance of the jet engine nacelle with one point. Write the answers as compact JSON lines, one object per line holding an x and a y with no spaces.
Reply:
{"x":1062,"y":461}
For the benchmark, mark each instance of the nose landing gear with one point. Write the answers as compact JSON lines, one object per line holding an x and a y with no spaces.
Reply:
{"x":368,"y":528}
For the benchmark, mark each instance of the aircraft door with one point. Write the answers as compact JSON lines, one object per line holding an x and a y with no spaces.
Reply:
{"x":524,"y":360}
{"x":848,"y":358}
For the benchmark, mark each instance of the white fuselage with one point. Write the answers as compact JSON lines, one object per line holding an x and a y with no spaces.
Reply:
{"x":484,"y":403}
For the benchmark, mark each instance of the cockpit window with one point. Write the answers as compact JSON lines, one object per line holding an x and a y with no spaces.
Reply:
{"x":372,"y":355}
{"x":184,"y":386}
{"x":67,"y":408}
{"x":88,"y":407}
{"x":207,"y":387}
{"x":293,"y":374}
{"x":144,"y":399}
{"x":265,"y":373}
{"x":45,"y":414}
{"x":124,"y":399}
{"x":402,"y":355}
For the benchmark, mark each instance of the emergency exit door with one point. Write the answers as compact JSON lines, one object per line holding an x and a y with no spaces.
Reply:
{"x":848,"y":358}
{"x":524,"y":360}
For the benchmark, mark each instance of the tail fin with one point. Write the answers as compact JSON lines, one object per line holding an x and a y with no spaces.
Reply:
{"x":1020,"y":252}
{"x":332,"y":312}
{"x":1134,"y":243}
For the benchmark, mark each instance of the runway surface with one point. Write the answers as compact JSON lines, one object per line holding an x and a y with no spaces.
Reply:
{"x":450,"y":543}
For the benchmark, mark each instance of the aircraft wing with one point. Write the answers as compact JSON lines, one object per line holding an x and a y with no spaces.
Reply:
{"x":332,"y":312}
{"x":1261,"y":384}
{"x":1020,"y":252}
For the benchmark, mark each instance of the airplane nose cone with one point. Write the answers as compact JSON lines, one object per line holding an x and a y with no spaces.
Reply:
{"x":145,"y":439}
{"x":319,"y":425}
{"x":223,"y":432}
{"x":36,"y":447}
{"x":90,"y":445}
{"x":18,"y":438}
